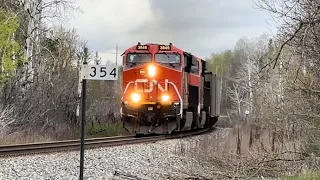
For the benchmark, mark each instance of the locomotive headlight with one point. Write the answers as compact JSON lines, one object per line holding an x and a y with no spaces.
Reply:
{"x":151,"y":70}
{"x":135,"y":97}
{"x":165,"y":97}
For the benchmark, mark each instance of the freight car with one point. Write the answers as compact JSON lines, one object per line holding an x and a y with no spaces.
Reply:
{"x":165,"y":90}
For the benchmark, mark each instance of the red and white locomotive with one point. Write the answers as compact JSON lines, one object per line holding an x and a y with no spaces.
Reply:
{"x":166,"y":89}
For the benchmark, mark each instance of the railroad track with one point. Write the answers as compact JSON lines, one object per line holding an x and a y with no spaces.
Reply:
{"x":56,"y":146}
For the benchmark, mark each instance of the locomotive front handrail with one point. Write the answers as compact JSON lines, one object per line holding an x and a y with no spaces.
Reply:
{"x":125,"y":90}
{"x":181,"y":102}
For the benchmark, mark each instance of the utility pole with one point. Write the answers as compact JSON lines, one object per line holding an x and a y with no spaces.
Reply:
{"x":116,"y":54}
{"x":116,"y":85}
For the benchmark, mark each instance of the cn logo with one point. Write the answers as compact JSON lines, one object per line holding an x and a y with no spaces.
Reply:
{"x":151,"y":84}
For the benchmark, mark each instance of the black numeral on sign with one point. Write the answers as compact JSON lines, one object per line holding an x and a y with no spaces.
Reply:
{"x":113,"y":72}
{"x":94,"y":71}
{"x":102,"y":70}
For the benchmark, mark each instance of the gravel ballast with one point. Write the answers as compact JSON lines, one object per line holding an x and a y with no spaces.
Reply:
{"x":167,"y":159}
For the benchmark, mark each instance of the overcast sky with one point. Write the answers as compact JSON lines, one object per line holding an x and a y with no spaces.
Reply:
{"x":197,"y":26}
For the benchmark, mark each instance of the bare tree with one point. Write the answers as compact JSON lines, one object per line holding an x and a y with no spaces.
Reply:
{"x":238,"y":95}
{"x":35,"y":13}
{"x":246,"y":78}
{"x":297,"y":58}
{"x":7,"y":117}
{"x":44,"y":92}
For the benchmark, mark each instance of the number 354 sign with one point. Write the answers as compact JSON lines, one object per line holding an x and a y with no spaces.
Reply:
{"x":99,"y":72}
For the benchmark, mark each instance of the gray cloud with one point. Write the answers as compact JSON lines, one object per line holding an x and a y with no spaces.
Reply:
{"x":197,"y":26}
{"x":200,"y":25}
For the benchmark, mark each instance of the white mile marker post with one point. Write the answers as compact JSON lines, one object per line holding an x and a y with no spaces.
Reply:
{"x":92,"y":72}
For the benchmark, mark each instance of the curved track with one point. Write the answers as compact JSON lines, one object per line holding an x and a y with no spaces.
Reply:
{"x":46,"y":147}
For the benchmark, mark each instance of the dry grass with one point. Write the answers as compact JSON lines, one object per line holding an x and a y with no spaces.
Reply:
{"x":247,"y":152}
{"x":305,"y":176}
{"x":98,"y":130}
{"x":22,"y":139}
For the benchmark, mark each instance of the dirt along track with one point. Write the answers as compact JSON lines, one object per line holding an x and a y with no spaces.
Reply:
{"x":56,"y":146}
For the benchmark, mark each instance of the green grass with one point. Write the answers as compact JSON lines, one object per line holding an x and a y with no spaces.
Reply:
{"x":104,"y":130}
{"x":308,"y":176}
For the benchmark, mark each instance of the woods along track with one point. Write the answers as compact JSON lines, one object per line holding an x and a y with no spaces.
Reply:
{"x":56,"y":146}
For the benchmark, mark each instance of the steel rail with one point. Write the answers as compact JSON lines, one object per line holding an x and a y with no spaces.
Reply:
{"x":56,"y":146}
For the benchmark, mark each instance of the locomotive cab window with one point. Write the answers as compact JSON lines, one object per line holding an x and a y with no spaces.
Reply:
{"x":195,"y":66}
{"x":138,"y":58}
{"x":169,"y":59}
